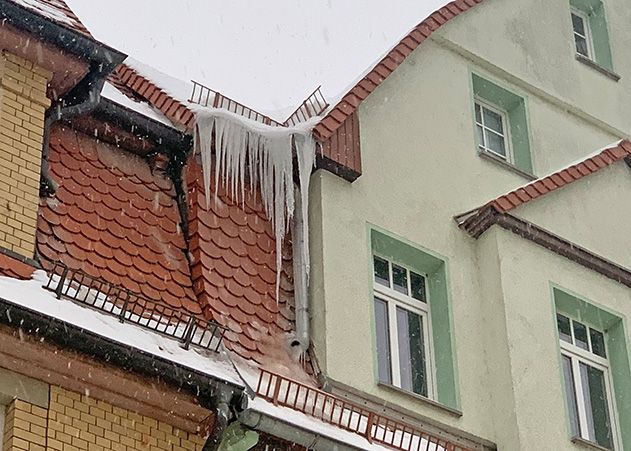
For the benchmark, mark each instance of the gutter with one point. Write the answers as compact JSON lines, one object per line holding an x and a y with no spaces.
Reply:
{"x":203,"y":387}
{"x":69,"y":40}
{"x":291,"y":433}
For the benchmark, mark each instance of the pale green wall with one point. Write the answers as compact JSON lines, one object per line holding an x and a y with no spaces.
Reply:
{"x":420,"y":168}
{"x":594,"y":213}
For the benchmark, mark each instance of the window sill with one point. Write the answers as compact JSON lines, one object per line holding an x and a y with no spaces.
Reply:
{"x":603,"y":70}
{"x":444,"y":408}
{"x":511,"y":167}
{"x":588,"y":444}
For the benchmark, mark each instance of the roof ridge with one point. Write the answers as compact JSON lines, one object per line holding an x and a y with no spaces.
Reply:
{"x":478,"y":220}
{"x":393,"y":59}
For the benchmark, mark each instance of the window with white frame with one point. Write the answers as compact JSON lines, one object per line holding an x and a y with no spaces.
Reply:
{"x":582,"y":34}
{"x":492,"y":130}
{"x":588,"y":385}
{"x":402,"y":328}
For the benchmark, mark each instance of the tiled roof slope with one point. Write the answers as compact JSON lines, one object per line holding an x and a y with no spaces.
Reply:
{"x":56,"y":10}
{"x":234,"y":269}
{"x":477,"y":221}
{"x":356,"y":95}
{"x":177,"y":112}
{"x":12,"y":267}
{"x":115,"y":219}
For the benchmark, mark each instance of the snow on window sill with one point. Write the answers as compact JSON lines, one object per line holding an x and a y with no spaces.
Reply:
{"x":431,"y":402}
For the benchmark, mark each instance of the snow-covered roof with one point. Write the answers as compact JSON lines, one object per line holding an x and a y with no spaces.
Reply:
{"x":231,"y":47}
{"x":112,"y":93}
{"x":31,"y":295}
{"x":55,"y":10}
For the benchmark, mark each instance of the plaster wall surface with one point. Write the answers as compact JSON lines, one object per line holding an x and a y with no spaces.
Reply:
{"x":594,"y":213}
{"x":420,"y":168}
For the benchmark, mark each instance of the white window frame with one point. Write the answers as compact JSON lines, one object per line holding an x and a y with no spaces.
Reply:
{"x":482,"y":146}
{"x":588,"y":33}
{"x":579,"y":355}
{"x":394,"y":299}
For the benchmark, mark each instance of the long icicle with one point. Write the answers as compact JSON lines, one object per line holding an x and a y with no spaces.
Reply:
{"x":268,"y":154}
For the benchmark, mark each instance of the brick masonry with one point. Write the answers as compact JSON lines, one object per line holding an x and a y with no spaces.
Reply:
{"x":76,"y":422}
{"x":23,"y":103}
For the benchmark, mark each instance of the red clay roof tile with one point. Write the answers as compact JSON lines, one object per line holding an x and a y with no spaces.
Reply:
{"x":119,"y":234}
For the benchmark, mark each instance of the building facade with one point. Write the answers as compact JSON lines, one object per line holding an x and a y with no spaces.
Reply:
{"x":468,"y":236}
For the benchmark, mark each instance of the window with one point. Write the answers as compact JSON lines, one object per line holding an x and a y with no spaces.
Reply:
{"x":401,"y":319}
{"x":413,"y":334}
{"x":582,"y":34}
{"x":590,"y":34}
{"x":501,"y":125}
{"x":587,"y":379}
{"x":492,"y":130}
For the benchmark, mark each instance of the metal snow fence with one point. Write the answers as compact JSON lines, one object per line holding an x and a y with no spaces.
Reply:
{"x":375,"y":428}
{"x":131,"y":307}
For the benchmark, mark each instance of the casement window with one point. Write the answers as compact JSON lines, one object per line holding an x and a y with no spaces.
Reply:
{"x":402,"y":327}
{"x":590,"y":34}
{"x":492,"y":130}
{"x":501,"y":125}
{"x":588,"y":382}
{"x":582,"y":34}
{"x":413,"y":339}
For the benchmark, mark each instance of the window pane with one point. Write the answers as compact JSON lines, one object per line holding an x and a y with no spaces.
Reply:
{"x":478,"y":113}
{"x":598,"y":343}
{"x":411,"y":352}
{"x":563,"y":324}
{"x":495,"y":143}
{"x":596,"y":406}
{"x":580,"y":335}
{"x":570,"y":395}
{"x":417,"y":283}
{"x":383,"y":341}
{"x":400,"y":279}
{"x":578,"y":24}
{"x":479,"y":135}
{"x":581,"y":45}
{"x":381,"y":271}
{"x":493,"y":121}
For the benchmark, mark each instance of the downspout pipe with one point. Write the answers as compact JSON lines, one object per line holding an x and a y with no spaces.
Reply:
{"x":82,"y":99}
{"x":301,"y":296}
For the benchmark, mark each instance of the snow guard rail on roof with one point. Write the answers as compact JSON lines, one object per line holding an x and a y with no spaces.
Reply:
{"x":375,"y":428}
{"x":133,"y":308}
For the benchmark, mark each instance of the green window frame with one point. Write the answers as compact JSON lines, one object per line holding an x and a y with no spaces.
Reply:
{"x":434,"y":270}
{"x":512,"y":109}
{"x":613,"y":326}
{"x":596,"y":33}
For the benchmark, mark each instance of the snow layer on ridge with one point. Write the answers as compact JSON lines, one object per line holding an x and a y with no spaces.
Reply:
{"x":31,"y":295}
{"x":178,"y":89}
{"x":47,"y":10}
{"x":111,"y":93}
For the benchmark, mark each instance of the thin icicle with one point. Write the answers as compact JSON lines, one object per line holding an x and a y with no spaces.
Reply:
{"x":267,"y":151}
{"x":305,"y":150}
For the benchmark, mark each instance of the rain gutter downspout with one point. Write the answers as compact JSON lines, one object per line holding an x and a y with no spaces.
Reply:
{"x":301,"y":295}
{"x":88,"y":93}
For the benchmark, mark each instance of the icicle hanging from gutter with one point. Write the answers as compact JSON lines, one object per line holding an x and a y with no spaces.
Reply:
{"x":266,"y":154}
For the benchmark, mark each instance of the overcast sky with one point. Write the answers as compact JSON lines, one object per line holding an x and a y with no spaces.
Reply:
{"x":269,"y":54}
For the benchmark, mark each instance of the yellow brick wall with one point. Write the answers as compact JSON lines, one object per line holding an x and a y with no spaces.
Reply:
{"x":76,"y":422}
{"x":23,"y":103}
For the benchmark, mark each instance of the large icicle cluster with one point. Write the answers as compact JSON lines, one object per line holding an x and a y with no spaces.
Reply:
{"x":251,"y":156}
